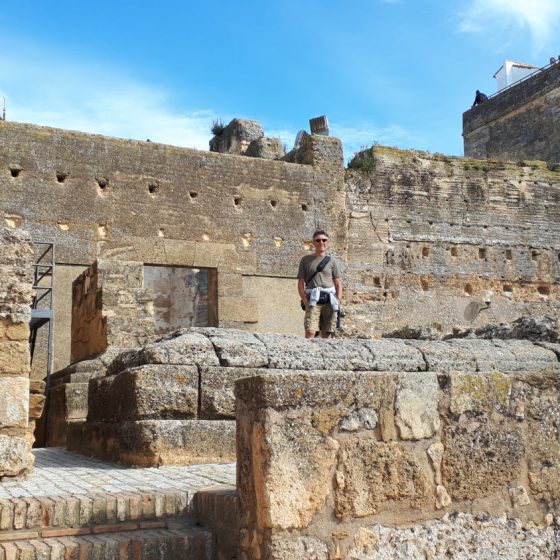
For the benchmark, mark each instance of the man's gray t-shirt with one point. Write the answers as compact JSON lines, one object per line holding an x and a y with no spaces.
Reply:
{"x":324,"y":279}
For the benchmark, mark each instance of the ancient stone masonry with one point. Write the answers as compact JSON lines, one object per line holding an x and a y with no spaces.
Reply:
{"x":441,"y":243}
{"x":457,"y":460}
{"x":520,"y":123}
{"x":341,"y":442}
{"x":111,"y":311}
{"x":16,"y":280}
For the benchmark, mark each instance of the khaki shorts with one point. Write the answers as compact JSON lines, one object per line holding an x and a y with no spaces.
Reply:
{"x":320,"y":318}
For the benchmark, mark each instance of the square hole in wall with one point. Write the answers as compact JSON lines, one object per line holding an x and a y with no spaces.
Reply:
{"x":482,"y":253}
{"x":509,"y":254}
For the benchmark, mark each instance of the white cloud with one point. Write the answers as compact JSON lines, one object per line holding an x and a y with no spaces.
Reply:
{"x":500,"y":19}
{"x":98,"y":100}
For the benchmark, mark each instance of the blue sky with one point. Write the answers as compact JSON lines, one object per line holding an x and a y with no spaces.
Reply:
{"x":396,"y":72}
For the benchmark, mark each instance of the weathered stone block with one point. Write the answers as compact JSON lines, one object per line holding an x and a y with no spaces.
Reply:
{"x":480,"y":459}
{"x":529,"y":356}
{"x":416,"y":405}
{"x":479,"y":392}
{"x":152,"y":443}
{"x":238,"y":348}
{"x":149,"y":391}
{"x":287,"y":351}
{"x":444,"y":357}
{"x":395,"y":355}
{"x":14,"y":402}
{"x":488,"y":356}
{"x":370,"y":475}
{"x":217,"y":399}
{"x":14,"y":357}
{"x":179,"y":348}
{"x":14,"y":455}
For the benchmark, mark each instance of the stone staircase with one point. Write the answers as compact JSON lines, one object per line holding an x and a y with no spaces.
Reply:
{"x":150,"y":525}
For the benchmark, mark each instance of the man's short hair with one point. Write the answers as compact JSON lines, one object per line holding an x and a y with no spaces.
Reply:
{"x":320,"y":232}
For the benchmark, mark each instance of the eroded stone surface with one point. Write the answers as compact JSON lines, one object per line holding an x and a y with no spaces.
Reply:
{"x":14,"y":452}
{"x":370,"y":474}
{"x":479,"y":392}
{"x":416,"y":406}
{"x":480,"y":459}
{"x":461,"y":537}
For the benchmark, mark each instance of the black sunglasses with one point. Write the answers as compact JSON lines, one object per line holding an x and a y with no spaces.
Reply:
{"x":320,"y":240}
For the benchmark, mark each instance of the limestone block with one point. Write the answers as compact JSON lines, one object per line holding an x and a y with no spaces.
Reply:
{"x":479,"y":392}
{"x":14,"y":455}
{"x":488,"y":356}
{"x":480,"y":458}
{"x":178,"y":348}
{"x":416,"y":405}
{"x":14,"y":357}
{"x":443,"y":357}
{"x":144,"y":392}
{"x":345,"y":354}
{"x":287,"y":351}
{"x":530,"y":357}
{"x":153,"y":443}
{"x":395,"y":355}
{"x":239,"y":349}
{"x":296,"y":480}
{"x":370,"y":474}
{"x":217,"y":399}
{"x":320,"y":391}
{"x":14,"y":402}
{"x":435,"y":452}
{"x":442,"y":497}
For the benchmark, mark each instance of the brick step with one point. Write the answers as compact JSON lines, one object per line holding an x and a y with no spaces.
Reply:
{"x":186,"y":543}
{"x":90,"y":512}
{"x":216,"y":508}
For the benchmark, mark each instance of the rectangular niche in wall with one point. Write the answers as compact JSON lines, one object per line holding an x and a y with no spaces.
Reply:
{"x":183,"y":297}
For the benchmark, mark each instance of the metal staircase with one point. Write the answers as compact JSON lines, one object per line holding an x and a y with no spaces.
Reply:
{"x":43,"y":301}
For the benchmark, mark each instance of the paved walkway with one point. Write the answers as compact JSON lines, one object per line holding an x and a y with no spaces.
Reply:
{"x":59,"y":472}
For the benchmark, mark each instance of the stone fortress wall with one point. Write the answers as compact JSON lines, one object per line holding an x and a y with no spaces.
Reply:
{"x":430,"y":242}
{"x":520,"y":123}
{"x":441,"y":242}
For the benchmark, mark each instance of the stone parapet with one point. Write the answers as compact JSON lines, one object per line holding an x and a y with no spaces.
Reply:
{"x":330,"y":464}
{"x":16,"y":280}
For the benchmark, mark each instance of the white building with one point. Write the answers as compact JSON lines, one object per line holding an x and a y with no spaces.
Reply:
{"x":511,"y":72}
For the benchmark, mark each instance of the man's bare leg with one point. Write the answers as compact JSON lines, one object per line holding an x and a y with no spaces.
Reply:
{"x":309,"y":334}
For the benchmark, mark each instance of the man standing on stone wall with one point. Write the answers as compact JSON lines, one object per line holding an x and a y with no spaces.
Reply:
{"x":320,"y":288}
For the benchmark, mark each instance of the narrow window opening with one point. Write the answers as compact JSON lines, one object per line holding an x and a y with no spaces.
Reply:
{"x":61,"y":177}
{"x":237,"y":200}
{"x":304,"y":207}
{"x":377,"y":282}
{"x":454,"y":251}
{"x":509,"y":255}
{"x":425,"y":252}
{"x":482,"y":253}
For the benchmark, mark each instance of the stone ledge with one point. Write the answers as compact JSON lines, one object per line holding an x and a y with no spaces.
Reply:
{"x":153,"y":443}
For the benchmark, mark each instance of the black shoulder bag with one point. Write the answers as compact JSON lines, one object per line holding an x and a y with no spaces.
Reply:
{"x":320,"y":268}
